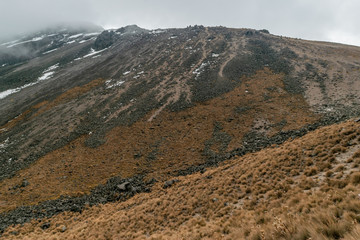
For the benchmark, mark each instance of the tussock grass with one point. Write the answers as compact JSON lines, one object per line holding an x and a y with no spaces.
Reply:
{"x":271,"y":194}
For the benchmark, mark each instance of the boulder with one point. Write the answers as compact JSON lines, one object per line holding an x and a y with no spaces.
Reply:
{"x":170,"y":183}
{"x":123,"y":186}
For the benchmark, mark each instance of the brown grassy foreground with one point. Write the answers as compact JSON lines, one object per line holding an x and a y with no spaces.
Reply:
{"x":307,"y":188}
{"x":159,"y":147}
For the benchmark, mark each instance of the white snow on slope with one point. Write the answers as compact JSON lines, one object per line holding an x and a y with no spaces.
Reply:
{"x":73,"y":41}
{"x":200,"y":69}
{"x":92,"y":53}
{"x":53,"y":50}
{"x":53,"y":67}
{"x":82,"y":41}
{"x":10,"y":43}
{"x":76,"y":36}
{"x":45,"y":76}
{"x":157,"y":31}
{"x":109,"y":83}
{"x":32,"y":40}
{"x":91,"y":34}
{"x":47,"y":73}
{"x":4,"y":143}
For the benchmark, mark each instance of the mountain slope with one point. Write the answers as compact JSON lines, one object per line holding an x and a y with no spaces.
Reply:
{"x":306,"y":188}
{"x":140,"y":106}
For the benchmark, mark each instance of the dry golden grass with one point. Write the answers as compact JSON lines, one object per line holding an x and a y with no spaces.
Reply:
{"x":76,"y":169}
{"x":265,"y":195}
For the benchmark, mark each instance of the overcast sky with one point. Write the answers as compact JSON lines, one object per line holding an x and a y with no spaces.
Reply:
{"x":328,"y":20}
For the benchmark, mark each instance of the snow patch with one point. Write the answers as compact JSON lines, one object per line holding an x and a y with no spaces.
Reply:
{"x":76,"y":36}
{"x":8,"y":92}
{"x":215,"y":55}
{"x":91,"y":34}
{"x":93,"y":52}
{"x":4,"y":65}
{"x":53,"y":50}
{"x":158,"y":31}
{"x":10,"y":43}
{"x":47,"y":73}
{"x":109,"y":83}
{"x":83,"y":41}
{"x":46,"y":76}
{"x":52,"y":68}
{"x":126,"y":73}
{"x":71,"y":42}
{"x":32,"y":40}
{"x":200,"y":69}
{"x":4,"y":144}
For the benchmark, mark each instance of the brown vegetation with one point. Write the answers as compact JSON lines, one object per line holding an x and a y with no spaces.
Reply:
{"x":160,"y":147}
{"x":263,"y":195}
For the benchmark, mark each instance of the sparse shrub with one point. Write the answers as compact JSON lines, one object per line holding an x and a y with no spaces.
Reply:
{"x":338,"y":183}
{"x":356,"y":155}
{"x":337,"y":149}
{"x":307,"y":183}
{"x":329,"y":173}
{"x":355,"y":178}
{"x":256,"y":236}
{"x":335,"y":230}
{"x":340,"y":168}
{"x":311,"y":172}
{"x":301,"y":234}
{"x":324,"y":166}
{"x":294,"y":172}
{"x":331,"y":159}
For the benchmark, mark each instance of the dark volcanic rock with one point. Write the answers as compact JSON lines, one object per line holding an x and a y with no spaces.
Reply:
{"x":108,"y":192}
{"x":45,"y":226}
{"x":169,"y":183}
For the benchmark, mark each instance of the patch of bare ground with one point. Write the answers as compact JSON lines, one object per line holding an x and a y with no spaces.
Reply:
{"x":233,"y":52}
{"x":265,"y":195}
{"x":160,"y":148}
{"x":337,"y":70}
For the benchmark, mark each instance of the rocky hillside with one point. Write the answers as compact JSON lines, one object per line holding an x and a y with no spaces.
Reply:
{"x":105,"y":116}
{"x":306,"y":188}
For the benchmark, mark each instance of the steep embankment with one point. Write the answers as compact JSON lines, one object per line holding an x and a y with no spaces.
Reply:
{"x":306,"y":188}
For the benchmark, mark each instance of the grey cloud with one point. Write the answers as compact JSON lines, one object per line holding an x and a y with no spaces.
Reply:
{"x":317,"y":20}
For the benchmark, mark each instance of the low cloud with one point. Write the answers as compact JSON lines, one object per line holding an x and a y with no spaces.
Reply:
{"x":328,"y":20}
